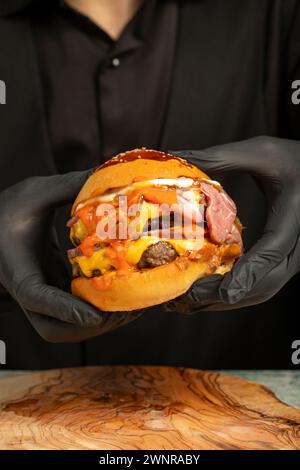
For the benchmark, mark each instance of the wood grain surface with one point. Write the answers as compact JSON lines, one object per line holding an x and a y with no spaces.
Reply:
{"x":142,"y":408}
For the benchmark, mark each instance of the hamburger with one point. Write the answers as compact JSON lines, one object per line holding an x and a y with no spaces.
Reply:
{"x":145,"y":226}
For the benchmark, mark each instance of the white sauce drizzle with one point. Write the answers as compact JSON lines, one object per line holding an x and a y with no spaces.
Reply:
{"x":181,"y":182}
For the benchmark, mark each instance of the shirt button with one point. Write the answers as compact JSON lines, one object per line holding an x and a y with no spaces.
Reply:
{"x":115,"y":62}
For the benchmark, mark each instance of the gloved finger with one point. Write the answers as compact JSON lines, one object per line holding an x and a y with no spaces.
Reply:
{"x":236,"y":158}
{"x":255,"y":156}
{"x":56,"y":331}
{"x":46,"y":192}
{"x":33,"y":294}
{"x":277,"y":241}
{"x":203,"y":293}
{"x":274,"y":280}
{"x":263,"y":291}
{"x":211,"y":160}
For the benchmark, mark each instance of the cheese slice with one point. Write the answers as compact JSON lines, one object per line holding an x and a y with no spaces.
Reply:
{"x":79,"y":231}
{"x":137,"y":248}
{"x":100,"y":259}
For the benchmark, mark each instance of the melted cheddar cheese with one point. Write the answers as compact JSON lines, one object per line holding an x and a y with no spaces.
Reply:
{"x":79,"y":231}
{"x":100,"y":260}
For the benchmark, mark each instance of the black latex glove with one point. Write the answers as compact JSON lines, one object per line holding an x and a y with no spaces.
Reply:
{"x":26,"y":215}
{"x":275,"y":257}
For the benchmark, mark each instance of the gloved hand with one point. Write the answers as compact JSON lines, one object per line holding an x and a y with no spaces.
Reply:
{"x":275,"y":258}
{"x":26,"y":214}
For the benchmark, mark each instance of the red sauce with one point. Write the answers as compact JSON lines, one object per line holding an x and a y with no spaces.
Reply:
{"x":154,"y":195}
{"x":117,"y":257}
{"x":181,"y":263}
{"x":88,"y":216}
{"x":160,"y":195}
{"x":87,"y":246}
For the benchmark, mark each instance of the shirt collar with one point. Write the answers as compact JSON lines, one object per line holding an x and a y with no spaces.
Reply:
{"x":145,"y":14}
{"x":139,"y":25}
{"x":132,"y":36}
{"x":137,"y":29}
{"x":144,"y":18}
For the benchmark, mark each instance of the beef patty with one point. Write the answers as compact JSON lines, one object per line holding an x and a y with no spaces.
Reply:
{"x":157,"y":254}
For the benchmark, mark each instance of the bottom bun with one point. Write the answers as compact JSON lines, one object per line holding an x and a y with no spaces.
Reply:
{"x":153,"y":286}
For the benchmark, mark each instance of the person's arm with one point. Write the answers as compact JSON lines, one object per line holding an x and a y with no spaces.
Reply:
{"x":275,"y":165}
{"x":26,"y":214}
{"x":275,"y":257}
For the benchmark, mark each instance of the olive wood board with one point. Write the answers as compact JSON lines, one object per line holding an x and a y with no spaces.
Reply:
{"x":130,"y":407}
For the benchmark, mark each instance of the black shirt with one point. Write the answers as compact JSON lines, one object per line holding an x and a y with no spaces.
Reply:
{"x":231,"y":80}
{"x":104,"y":96}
